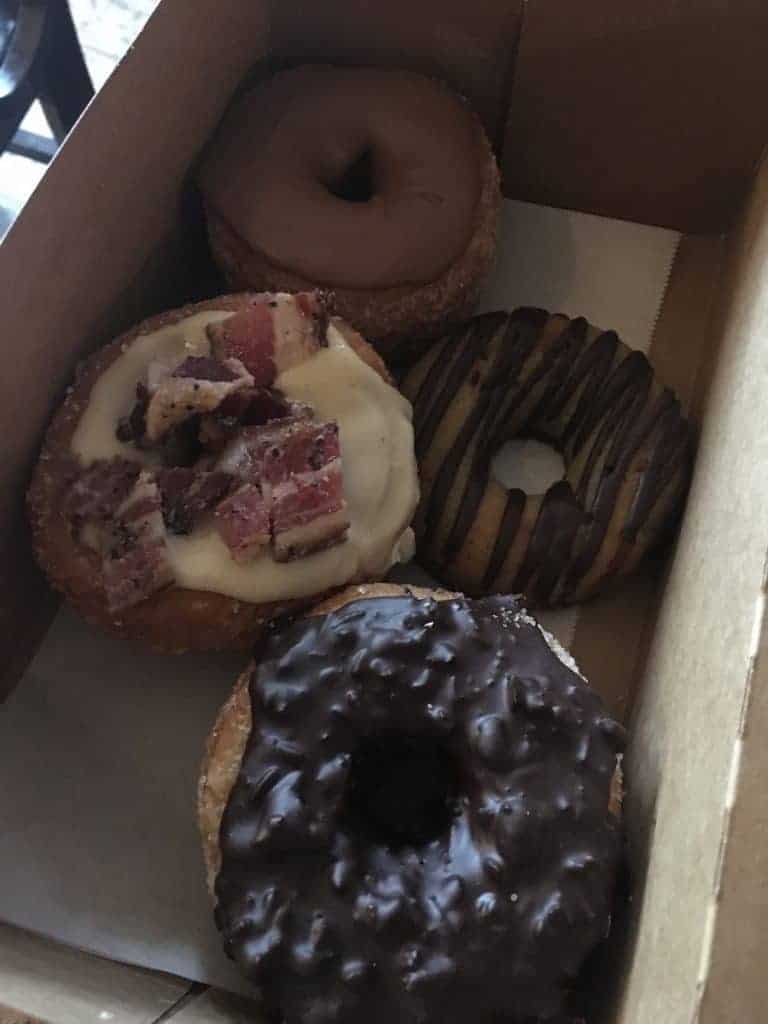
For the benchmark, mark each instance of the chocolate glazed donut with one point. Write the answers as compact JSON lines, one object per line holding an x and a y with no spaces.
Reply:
{"x":624,"y":441}
{"x":378,"y":184}
{"x":409,"y":813}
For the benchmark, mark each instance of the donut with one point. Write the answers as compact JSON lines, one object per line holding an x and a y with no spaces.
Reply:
{"x":410,"y":811}
{"x":625,"y":445}
{"x":220,"y":464}
{"x":378,"y":184}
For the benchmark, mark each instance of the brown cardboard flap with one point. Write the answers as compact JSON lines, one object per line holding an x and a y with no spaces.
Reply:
{"x":81,"y":254}
{"x":58,"y":985}
{"x":736,"y":989}
{"x":472,"y":45}
{"x":652,"y":111}
{"x":614,"y":630}
{"x":212,"y":1007}
{"x":689,"y":711}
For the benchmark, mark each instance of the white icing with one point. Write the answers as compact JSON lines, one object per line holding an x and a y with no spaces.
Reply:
{"x":379,"y":467}
{"x":114,"y":393}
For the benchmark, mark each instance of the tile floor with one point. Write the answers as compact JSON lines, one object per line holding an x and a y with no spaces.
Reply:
{"x":106,"y":29}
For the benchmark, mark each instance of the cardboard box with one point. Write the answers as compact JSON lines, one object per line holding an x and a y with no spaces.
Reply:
{"x":652,"y":114}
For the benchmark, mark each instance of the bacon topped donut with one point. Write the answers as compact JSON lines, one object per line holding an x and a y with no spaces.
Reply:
{"x":220,"y":463}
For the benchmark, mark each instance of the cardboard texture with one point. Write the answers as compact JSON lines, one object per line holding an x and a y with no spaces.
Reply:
{"x":213,"y":1007}
{"x":472,"y":46}
{"x":735,"y":986}
{"x":104,"y":253}
{"x":42,"y":980}
{"x":649,"y":114}
{"x":683,"y":758}
{"x":641,"y":111}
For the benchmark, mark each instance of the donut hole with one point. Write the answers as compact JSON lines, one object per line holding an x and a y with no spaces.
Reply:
{"x":402,"y":790}
{"x":356,"y":182}
{"x":528,"y":465}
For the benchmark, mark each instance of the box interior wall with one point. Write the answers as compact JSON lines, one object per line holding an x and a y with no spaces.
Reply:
{"x":586,"y":113}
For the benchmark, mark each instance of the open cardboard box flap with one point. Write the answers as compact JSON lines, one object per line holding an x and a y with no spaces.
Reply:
{"x":653,"y":115}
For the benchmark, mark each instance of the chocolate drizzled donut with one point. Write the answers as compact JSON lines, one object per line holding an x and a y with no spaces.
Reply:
{"x":420,"y":827}
{"x":624,"y":441}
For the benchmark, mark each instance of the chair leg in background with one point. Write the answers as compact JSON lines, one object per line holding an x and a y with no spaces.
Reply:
{"x":65,"y":85}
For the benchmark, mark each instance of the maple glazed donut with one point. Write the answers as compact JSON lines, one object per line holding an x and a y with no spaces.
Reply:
{"x":624,"y":442}
{"x":222,"y":463}
{"x":410,"y":812}
{"x":376,"y":183}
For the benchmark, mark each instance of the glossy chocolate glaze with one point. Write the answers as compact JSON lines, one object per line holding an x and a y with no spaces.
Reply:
{"x":587,"y":395}
{"x":420,"y":826}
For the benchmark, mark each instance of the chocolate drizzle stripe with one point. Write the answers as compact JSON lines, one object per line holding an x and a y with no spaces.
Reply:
{"x":668,"y":457}
{"x":486,"y":328}
{"x":454,"y":376}
{"x":471,"y":499}
{"x":560,"y":380}
{"x":433,"y":507}
{"x":624,"y":392}
{"x":593,"y":368}
{"x":515,"y":348}
{"x":520,"y":340}
{"x":549,"y":549}
{"x":624,"y":396}
{"x":566,"y":381}
{"x":501,"y":429}
{"x":638,"y":426}
{"x":510,"y":521}
{"x":445,"y":480}
{"x":602,"y":507}
{"x":446,"y":351}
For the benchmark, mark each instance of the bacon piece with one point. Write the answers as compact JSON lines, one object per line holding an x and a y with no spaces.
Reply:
{"x":243,"y":522}
{"x":249,"y":336}
{"x":198,"y":385}
{"x":204,"y":368}
{"x":274,"y":452}
{"x":181,"y":445}
{"x":304,"y":448}
{"x":190,"y":495}
{"x":317,"y":306}
{"x":309,"y":512}
{"x":296,"y":465}
{"x":256,"y":406}
{"x":135,"y":563}
{"x":132,"y":428}
{"x":98,"y":491}
{"x":273,"y":334}
{"x":301,"y":322}
{"x":249,"y":407}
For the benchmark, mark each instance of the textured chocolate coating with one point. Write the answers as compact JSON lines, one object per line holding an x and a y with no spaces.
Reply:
{"x":624,"y":441}
{"x":420,"y":829}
